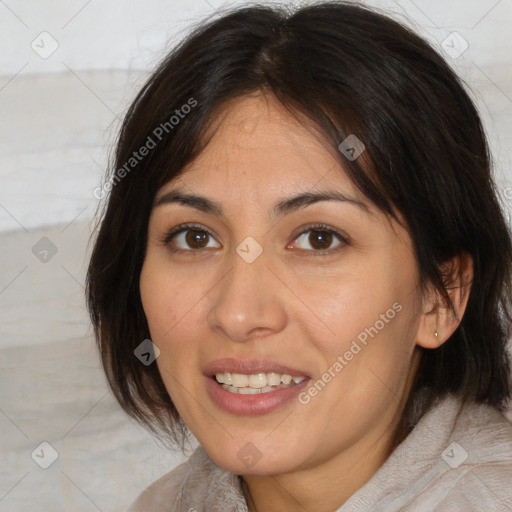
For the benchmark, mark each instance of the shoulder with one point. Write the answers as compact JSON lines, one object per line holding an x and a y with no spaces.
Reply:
{"x":476,"y":433}
{"x":197,"y":484}
{"x":484,"y":440}
{"x":482,"y":487}
{"x":458,"y":457}
{"x":161,"y":494}
{"x":486,"y":434}
{"x":474,"y":465}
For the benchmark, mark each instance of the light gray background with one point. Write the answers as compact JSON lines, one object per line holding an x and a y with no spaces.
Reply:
{"x":59,"y":116}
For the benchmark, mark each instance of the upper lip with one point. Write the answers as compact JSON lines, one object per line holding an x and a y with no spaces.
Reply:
{"x":250,"y":366}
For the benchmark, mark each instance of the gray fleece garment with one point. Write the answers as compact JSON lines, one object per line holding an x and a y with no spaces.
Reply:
{"x":454,"y":460}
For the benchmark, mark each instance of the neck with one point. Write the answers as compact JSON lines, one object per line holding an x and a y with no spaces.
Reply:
{"x":327,"y":485}
{"x":322,"y":488}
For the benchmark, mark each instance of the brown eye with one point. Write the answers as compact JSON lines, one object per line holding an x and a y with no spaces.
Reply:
{"x":319,"y":239}
{"x":196,"y":239}
{"x":189,"y":239}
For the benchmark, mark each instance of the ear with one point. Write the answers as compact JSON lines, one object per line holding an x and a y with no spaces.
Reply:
{"x":437,"y":315}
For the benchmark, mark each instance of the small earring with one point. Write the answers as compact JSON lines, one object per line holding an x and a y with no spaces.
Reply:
{"x":435,"y":334}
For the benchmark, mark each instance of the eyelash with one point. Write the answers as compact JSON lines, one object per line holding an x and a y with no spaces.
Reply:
{"x":313,"y":227}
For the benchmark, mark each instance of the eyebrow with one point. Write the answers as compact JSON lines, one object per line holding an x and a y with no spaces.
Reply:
{"x":284,"y":207}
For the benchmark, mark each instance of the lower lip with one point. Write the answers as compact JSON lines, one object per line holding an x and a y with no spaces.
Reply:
{"x":252,"y":405}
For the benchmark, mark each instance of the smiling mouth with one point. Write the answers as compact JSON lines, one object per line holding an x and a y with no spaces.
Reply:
{"x":256,"y":383}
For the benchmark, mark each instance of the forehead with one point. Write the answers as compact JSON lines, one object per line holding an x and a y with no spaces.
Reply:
{"x":262,"y":159}
{"x":259,"y":146}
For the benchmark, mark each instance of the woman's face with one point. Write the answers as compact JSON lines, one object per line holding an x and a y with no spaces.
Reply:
{"x":271,"y":281}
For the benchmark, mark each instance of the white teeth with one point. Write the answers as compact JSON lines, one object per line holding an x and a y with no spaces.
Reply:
{"x":256,"y":383}
{"x":286,"y":379}
{"x":248,"y":391}
{"x":273,"y":379}
{"x":239,"y":380}
{"x":224,"y":378}
{"x":253,"y":391}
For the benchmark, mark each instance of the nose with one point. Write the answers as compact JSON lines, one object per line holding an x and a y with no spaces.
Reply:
{"x":248,"y":302}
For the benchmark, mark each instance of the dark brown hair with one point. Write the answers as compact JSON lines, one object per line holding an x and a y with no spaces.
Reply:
{"x":349,"y":70}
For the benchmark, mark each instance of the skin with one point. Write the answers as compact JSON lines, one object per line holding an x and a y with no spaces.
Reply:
{"x":290,"y":305}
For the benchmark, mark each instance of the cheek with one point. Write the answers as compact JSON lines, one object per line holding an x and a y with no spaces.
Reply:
{"x":342,"y":306}
{"x":165,"y":299}
{"x":169,"y":308}
{"x":174,"y":306}
{"x":373,"y":308}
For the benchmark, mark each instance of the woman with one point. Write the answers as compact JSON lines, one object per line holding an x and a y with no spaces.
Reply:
{"x":304,"y":264}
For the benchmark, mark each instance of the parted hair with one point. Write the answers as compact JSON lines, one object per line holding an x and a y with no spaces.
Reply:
{"x":349,"y":70}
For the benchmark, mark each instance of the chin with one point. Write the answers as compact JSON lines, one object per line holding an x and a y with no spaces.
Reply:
{"x":244,"y":458}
